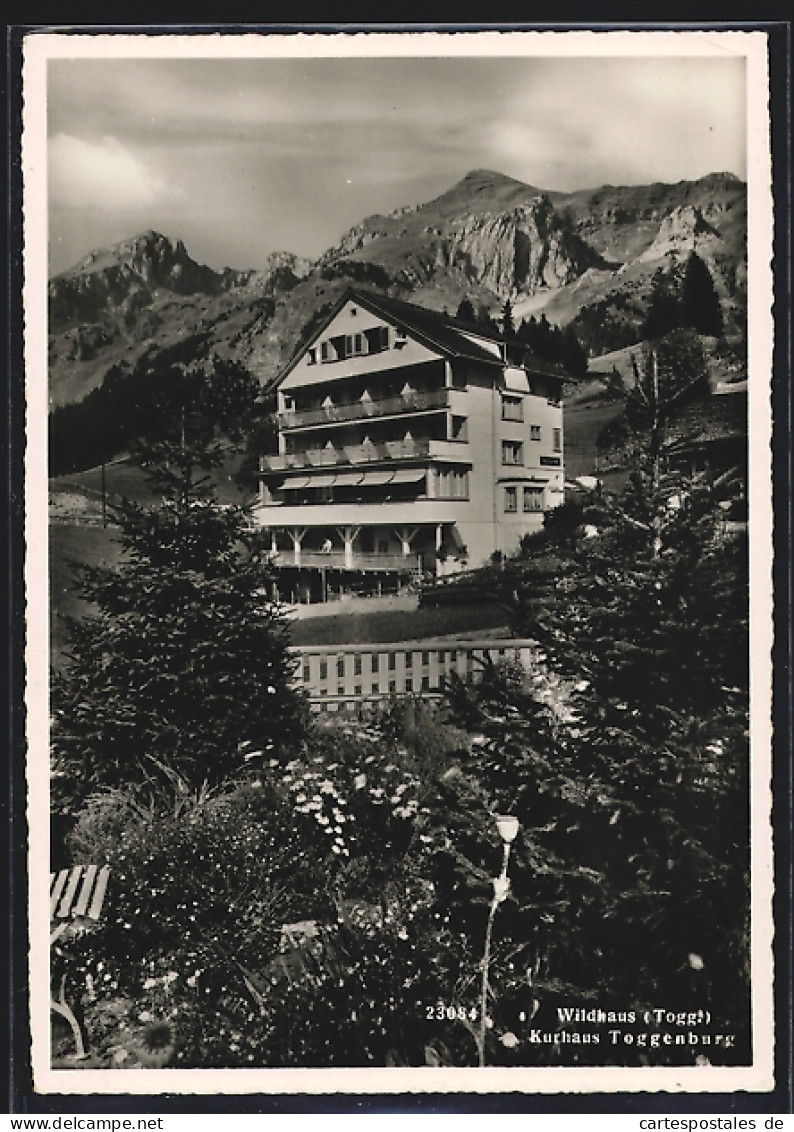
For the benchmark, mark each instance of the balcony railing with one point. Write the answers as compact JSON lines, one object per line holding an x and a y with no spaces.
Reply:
{"x":364,"y":454}
{"x":360,"y":410}
{"x":335,"y":560}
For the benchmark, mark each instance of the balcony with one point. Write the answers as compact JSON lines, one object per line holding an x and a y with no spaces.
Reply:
{"x":407,"y":563}
{"x":357,"y":454}
{"x":363,"y":410}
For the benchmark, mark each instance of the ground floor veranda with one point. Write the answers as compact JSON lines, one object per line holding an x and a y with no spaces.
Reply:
{"x":376,"y":558}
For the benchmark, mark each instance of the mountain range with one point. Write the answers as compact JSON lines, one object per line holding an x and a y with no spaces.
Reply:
{"x":585,"y":258}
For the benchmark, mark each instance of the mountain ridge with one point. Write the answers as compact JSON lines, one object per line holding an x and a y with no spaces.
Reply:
{"x":490,"y":238}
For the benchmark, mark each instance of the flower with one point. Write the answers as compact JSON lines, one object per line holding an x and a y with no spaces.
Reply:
{"x":501,"y":887}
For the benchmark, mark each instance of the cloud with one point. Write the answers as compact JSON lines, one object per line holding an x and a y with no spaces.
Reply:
{"x":102,"y":175}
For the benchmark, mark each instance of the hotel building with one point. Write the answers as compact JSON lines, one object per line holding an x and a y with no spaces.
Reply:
{"x":409,"y":443}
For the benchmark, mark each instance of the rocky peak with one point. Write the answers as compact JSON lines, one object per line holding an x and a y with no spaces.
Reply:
{"x":518,"y":252}
{"x":125,"y":275}
{"x":680,"y":233}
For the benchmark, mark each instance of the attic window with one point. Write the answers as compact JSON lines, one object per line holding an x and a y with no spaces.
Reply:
{"x":354,"y":311}
{"x":311,"y":357}
{"x":377,"y":339}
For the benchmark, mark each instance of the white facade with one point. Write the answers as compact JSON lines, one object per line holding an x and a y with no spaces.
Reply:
{"x":407,"y":444}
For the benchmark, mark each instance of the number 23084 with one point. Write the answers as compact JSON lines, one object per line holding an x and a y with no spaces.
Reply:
{"x":439,"y":1012}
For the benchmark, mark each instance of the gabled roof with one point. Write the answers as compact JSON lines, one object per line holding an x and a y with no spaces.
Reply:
{"x":449,"y":336}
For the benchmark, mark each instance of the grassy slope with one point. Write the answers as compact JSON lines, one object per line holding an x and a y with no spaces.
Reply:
{"x":72,"y":544}
{"x":124,"y":478}
{"x":396,"y":625}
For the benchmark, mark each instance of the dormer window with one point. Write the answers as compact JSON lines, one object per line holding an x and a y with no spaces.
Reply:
{"x":311,"y":356}
{"x":377,"y":339}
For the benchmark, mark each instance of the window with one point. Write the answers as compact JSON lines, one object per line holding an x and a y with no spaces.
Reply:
{"x":533,"y":499}
{"x":425,"y":659}
{"x":409,"y":660}
{"x":377,"y":339}
{"x":355,"y":344}
{"x":409,"y":684}
{"x":307,"y":675}
{"x":357,"y":665}
{"x":376,"y":687}
{"x":557,"y":434}
{"x":534,"y":432}
{"x":512,"y":452}
{"x":511,"y":500}
{"x":460,"y":429}
{"x":374,"y":662}
{"x":512,"y":408}
{"x":392,"y":685}
{"x":340,"y":666}
{"x":311,"y":356}
{"x":425,"y":683}
{"x":327,"y":352}
{"x":392,"y":661}
{"x":323,"y":669}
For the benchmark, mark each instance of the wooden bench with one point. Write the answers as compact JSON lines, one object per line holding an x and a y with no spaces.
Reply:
{"x":76,"y":899}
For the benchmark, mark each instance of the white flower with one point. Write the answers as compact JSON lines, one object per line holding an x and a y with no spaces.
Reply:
{"x":501,"y":887}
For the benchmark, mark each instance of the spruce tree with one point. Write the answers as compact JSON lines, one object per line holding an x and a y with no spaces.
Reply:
{"x":508,"y":325}
{"x":664,"y":311}
{"x":184,"y":664}
{"x":466,"y":311}
{"x":699,"y":300}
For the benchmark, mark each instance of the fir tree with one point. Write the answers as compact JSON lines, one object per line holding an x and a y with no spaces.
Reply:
{"x":664,"y":311}
{"x":466,"y":311}
{"x":700,"y":303}
{"x":185,"y":660}
{"x":486,"y":323}
{"x":508,"y":325}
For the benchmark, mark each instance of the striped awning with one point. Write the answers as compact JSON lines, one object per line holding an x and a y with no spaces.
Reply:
{"x":408,"y":475}
{"x":348,"y":479}
{"x":516,"y":380}
{"x":372,"y":478}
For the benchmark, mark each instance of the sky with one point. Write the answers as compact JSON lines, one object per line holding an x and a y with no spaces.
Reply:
{"x":240,"y":157}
